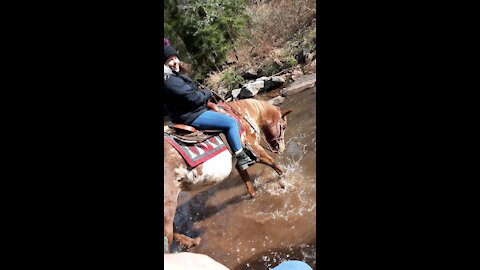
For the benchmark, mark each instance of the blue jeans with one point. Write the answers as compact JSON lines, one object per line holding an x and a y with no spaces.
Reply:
{"x":215,"y":120}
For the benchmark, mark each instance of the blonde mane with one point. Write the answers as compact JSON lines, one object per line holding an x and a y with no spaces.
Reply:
{"x":261,"y":111}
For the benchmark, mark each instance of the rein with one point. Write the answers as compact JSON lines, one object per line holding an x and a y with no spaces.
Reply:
{"x":261,"y":135}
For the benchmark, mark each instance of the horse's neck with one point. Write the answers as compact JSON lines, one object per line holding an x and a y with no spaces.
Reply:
{"x":258,"y":111}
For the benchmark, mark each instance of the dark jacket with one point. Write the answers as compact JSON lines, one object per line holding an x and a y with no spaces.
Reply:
{"x":183,"y":101}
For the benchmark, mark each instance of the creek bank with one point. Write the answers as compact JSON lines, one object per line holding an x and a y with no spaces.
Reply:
{"x":277,"y":88}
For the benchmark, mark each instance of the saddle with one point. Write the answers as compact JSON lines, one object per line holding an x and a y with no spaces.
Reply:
{"x":189,"y":134}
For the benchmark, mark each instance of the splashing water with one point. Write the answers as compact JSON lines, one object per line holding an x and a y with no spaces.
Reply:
{"x":279,"y":223}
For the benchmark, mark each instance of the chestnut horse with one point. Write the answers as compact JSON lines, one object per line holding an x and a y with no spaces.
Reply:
{"x":258,"y":116}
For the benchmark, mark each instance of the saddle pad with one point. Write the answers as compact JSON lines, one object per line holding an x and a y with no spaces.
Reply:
{"x":195,"y":154}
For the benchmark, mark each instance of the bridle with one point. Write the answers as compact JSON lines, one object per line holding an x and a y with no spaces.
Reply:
{"x":280,"y":128}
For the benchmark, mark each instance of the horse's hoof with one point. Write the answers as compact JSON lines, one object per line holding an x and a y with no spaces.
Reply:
{"x":253,"y":194}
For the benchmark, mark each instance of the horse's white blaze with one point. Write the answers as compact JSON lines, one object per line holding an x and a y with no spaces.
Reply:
{"x":212,"y":171}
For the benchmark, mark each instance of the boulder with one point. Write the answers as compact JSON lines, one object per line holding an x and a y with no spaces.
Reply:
{"x":250,"y":74}
{"x":276,"y":100}
{"x":271,"y":82}
{"x":274,"y":82}
{"x":235,"y":93}
{"x":303,"y":83}
{"x":251,"y":89}
{"x":264,"y":78}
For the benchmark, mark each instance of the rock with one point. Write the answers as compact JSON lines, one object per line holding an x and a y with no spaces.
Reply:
{"x":250,"y":74}
{"x":235,"y":93}
{"x":251,"y":89}
{"x":278,"y":79}
{"x":222,"y":91}
{"x":309,"y":58}
{"x":276,"y":100}
{"x":296,"y":74}
{"x":310,"y":68}
{"x":264,"y":78}
{"x":274,"y":82}
{"x":301,"y":55}
{"x":304,"y":82}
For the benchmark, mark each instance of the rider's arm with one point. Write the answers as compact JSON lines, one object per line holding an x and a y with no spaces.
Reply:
{"x":189,"y":94}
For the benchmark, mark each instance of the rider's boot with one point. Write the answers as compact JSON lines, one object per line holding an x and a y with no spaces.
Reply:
{"x":243,"y":160}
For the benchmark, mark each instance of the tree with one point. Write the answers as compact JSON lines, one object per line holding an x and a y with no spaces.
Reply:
{"x":206,"y":29}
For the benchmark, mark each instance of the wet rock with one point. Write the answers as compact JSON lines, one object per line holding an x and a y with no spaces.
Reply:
{"x":305,"y":82}
{"x":276,"y":100}
{"x":251,"y":89}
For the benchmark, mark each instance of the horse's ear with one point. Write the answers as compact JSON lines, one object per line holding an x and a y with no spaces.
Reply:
{"x":284,"y":113}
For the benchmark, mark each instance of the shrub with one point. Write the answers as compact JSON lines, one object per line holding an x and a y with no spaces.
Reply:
{"x":232,"y":80}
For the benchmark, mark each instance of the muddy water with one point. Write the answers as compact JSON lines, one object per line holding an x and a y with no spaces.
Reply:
{"x":279,"y":224}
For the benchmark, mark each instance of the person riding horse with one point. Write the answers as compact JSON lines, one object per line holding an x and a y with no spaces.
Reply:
{"x":186,"y":104}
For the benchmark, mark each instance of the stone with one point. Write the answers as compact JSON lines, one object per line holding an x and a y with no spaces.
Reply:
{"x":303,"y":83}
{"x":301,"y":56}
{"x":276,"y":100}
{"x":264,"y":78}
{"x":223,"y":92}
{"x":250,"y":74}
{"x":251,"y":89}
{"x":235,"y":93}
{"x":296,"y":74}
{"x":274,"y":82}
{"x":310,"y":68}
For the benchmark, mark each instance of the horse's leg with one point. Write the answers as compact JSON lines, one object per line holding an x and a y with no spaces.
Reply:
{"x":267,"y":160}
{"x":170,"y":191}
{"x":185,"y":240}
{"x":168,"y":216}
{"x":246,"y":178}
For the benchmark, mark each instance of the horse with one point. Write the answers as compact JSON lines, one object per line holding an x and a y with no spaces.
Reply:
{"x":257,"y":116}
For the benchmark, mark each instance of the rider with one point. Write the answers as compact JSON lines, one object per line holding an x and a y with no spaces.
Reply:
{"x":187,"y":105}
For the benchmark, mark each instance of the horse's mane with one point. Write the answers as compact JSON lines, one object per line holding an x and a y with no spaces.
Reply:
{"x":256,"y":108}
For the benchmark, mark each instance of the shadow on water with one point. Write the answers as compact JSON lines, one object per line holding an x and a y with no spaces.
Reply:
{"x":196,"y":208}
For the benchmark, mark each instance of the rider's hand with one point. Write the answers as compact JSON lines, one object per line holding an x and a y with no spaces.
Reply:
{"x":213,"y":106}
{"x":189,"y":261}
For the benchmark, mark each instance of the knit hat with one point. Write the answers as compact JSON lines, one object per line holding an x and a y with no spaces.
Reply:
{"x":168,"y":51}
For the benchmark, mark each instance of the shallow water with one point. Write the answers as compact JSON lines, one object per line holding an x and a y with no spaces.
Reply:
{"x":280,"y":223}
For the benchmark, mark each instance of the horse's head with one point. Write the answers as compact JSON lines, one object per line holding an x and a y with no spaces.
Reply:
{"x":275,"y":132}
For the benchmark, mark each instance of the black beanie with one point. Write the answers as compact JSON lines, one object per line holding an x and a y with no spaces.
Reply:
{"x":168,"y":51}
